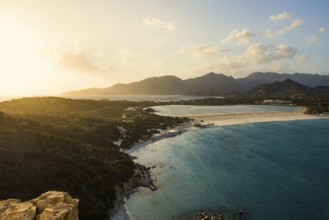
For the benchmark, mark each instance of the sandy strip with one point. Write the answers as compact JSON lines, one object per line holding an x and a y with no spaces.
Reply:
{"x":244,"y":118}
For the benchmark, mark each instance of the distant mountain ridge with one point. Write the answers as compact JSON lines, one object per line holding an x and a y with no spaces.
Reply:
{"x":310,"y":80}
{"x":287,"y":86}
{"x":209,"y":84}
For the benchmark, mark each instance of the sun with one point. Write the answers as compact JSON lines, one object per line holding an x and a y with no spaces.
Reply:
{"x":23,"y":67}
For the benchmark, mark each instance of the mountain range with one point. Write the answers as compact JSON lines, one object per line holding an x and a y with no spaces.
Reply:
{"x":288,"y":87}
{"x":209,"y":84}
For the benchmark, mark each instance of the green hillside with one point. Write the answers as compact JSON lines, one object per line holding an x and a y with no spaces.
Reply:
{"x":69,"y":145}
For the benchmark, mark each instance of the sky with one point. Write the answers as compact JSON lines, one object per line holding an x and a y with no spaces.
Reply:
{"x":52,"y":46}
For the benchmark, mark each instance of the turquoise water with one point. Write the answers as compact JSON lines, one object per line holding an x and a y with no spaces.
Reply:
{"x":179,"y":110}
{"x":277,"y":170}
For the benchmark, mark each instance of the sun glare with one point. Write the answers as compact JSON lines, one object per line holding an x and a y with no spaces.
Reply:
{"x":22,"y":65}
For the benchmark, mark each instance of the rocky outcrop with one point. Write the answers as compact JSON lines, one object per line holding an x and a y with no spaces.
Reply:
{"x":142,"y":177}
{"x":51,"y":205}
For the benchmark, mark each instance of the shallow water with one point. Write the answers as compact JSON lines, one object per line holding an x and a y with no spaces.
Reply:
{"x":276,"y":170}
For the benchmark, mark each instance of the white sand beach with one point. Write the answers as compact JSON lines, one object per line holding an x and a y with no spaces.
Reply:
{"x":234,"y":119}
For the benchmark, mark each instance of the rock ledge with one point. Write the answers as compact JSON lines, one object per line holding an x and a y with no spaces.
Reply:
{"x":50,"y":205}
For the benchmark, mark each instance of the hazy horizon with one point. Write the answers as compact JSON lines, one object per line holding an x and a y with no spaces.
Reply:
{"x":50,"y":47}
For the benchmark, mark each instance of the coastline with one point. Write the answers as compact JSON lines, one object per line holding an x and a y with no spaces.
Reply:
{"x":245,"y":118}
{"x":187,"y":126}
{"x":123,"y":212}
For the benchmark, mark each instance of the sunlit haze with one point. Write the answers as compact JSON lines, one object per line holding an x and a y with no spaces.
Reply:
{"x":49,"y":47}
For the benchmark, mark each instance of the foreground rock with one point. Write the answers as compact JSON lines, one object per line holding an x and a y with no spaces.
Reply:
{"x":50,"y":205}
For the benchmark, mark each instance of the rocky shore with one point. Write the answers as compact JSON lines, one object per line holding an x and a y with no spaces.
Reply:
{"x":50,"y":205}
{"x":239,"y":215}
{"x":141,"y":178}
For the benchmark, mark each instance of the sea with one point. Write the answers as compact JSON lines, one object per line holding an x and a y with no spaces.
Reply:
{"x":134,"y":98}
{"x":267,"y":171}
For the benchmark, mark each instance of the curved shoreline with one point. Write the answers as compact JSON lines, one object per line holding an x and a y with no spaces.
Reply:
{"x":217,"y":120}
{"x":245,"y":118}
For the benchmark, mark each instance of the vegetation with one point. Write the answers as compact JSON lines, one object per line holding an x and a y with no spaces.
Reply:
{"x":75,"y":145}
{"x":69,"y":145}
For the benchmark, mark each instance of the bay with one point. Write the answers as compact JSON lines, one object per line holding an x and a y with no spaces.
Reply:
{"x":276,"y":170}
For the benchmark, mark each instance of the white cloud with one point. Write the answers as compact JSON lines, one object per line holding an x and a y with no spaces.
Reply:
{"x":126,"y":56}
{"x":157,"y":23}
{"x":260,"y":54}
{"x":302,"y":58}
{"x":203,"y":51}
{"x":294,"y":25}
{"x":228,"y":65}
{"x":312,"y":39}
{"x":257,"y":57}
{"x":232,"y":62}
{"x":239,"y":37}
{"x":281,"y":16}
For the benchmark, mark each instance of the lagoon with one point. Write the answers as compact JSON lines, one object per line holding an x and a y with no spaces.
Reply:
{"x":192,"y":110}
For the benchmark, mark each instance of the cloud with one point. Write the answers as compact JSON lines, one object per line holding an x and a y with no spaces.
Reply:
{"x":281,"y":16}
{"x":235,"y":65}
{"x":228,"y":63}
{"x":260,"y":53}
{"x":126,"y":56}
{"x":302,"y":58}
{"x":257,"y":57}
{"x":239,"y":37}
{"x":79,"y":61}
{"x":312,"y":39}
{"x":157,"y":23}
{"x":294,"y":25}
{"x":203,"y":51}
{"x":322,"y":29}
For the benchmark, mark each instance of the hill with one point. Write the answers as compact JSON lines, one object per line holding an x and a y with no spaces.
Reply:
{"x":289,"y":87}
{"x":286,"y":87}
{"x":209,"y":84}
{"x":49,"y":143}
{"x":164,"y":85}
{"x":35,"y":158}
{"x":258,"y":78}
